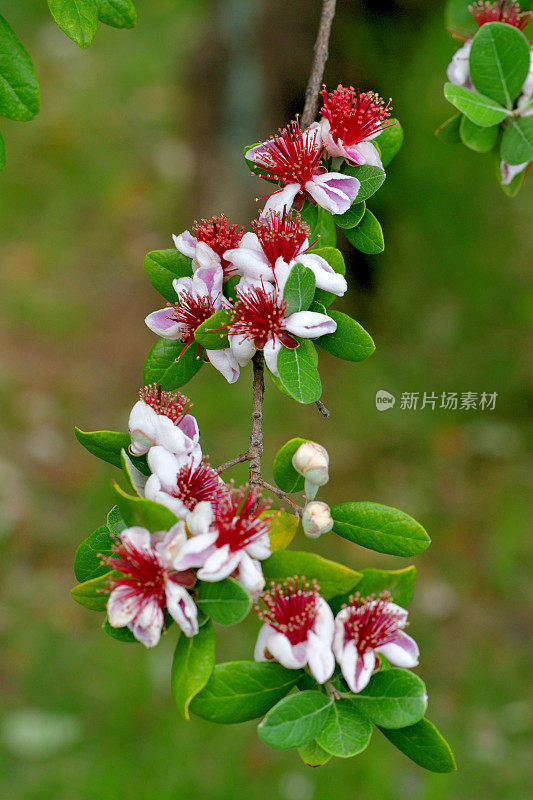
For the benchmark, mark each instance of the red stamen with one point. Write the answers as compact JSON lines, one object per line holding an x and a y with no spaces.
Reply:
{"x":190,"y":313}
{"x":509,"y":13}
{"x":354,"y":115}
{"x":259,"y":315}
{"x":196,"y":483}
{"x":291,"y":607}
{"x":369,"y":623}
{"x":173,"y":405}
{"x":281,"y":235}
{"x":238,"y":518}
{"x":291,"y":157}
{"x":220,"y":237}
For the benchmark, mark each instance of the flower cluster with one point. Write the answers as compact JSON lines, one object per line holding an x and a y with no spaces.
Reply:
{"x":299,"y":630}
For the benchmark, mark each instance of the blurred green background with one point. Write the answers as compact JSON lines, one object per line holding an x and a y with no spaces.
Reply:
{"x":138,"y":136}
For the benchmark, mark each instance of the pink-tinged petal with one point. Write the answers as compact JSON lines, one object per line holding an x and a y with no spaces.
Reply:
{"x":366,"y":152}
{"x":510,"y":171}
{"x":182,"y":608}
{"x":262,"y":643}
{"x":260,"y":548}
{"x":170,"y":546}
{"x":282,"y":270}
{"x":361,"y":674}
{"x":189,"y":426}
{"x":186,"y":243}
{"x":250,"y":575}
{"x":147,"y":625}
{"x":257,"y":151}
{"x":249,"y":262}
{"x":199,"y":520}
{"x":324,"y":624}
{"x":142,"y":426}
{"x":250,"y":242}
{"x":310,"y":324}
{"x":195,"y":551}
{"x":137,"y":537}
{"x":320,"y":658}
{"x":162,"y":323}
{"x":122,"y":606}
{"x":208,"y":281}
{"x":290,"y":656}
{"x":458,"y":71}
{"x":219,"y":565}
{"x":333,"y":191}
{"x":403,"y":652}
{"x":171,"y":436}
{"x":325,"y":276}
{"x":398,"y":611}
{"x":225,"y":362}
{"x":154,"y":491}
{"x":182,"y":285}
{"x":281,"y":200}
{"x":334,"y":149}
{"x":242,"y":348}
{"x":165,"y":465}
{"x":271,"y":351}
{"x":205,"y":257}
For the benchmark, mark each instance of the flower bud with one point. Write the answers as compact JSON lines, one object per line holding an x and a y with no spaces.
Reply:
{"x":316,"y":519}
{"x":311,"y":460}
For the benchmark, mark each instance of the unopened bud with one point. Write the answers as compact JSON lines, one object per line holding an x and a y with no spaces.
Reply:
{"x":316,"y":519}
{"x":312,"y":461}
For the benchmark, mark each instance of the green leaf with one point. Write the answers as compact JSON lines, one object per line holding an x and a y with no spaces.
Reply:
{"x":350,"y":341}
{"x":347,"y":732}
{"x":295,"y":720}
{"x":136,"y":479}
{"x":333,"y":578}
{"x":298,"y":372}
{"x":336,"y":261}
{"x":226,"y":602}
{"x":394,"y":698}
{"x":93,"y":594}
{"x":192,"y":666}
{"x":162,"y":367}
{"x":117,"y":13}
{"x":380,"y":528}
{"x":120,"y":634}
{"x":115,"y":523}
{"x":19,"y":88}
{"x":230,"y":288}
{"x":87,"y":563}
{"x":424,"y":745}
{"x":482,"y":140}
{"x":213,"y":332}
{"x":139,"y":511}
{"x":313,"y":755}
{"x":352,"y":217}
{"x":164,"y":266}
{"x":499,"y":61}
{"x":368,"y":235}
{"x":371,"y":178}
{"x":517,"y":141}
{"x":480,"y":109}
{"x":321,"y":224}
{"x":389,"y":140}
{"x":299,"y":289}
{"x":449,"y":131}
{"x":108,"y":446}
{"x":241,"y":690}
{"x":399,"y":582}
{"x":283,"y":527}
{"x":77,"y":18}
{"x":284,"y":473}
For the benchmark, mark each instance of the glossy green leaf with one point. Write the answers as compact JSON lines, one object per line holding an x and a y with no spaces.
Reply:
{"x":389,"y":140}
{"x":347,"y":731}
{"x":192,"y":666}
{"x":380,"y":528}
{"x":135,"y":478}
{"x":285,"y":475}
{"x":162,"y":267}
{"x":108,"y":446}
{"x":117,"y":13}
{"x":482,"y":140}
{"x":140,"y":511}
{"x":299,"y":289}
{"x":321,"y":224}
{"x":241,"y":690}
{"x":499,"y":62}
{"x":87,"y":562}
{"x":394,"y":698}
{"x":313,"y":755}
{"x":368,"y":235}
{"x":282,"y":528}
{"x":120,"y":634}
{"x":399,"y":582}
{"x":77,"y":18}
{"x":19,"y":88}
{"x":333,"y":578}
{"x":517,"y":141}
{"x":370,"y":178}
{"x":424,"y":745}
{"x":162,"y":367}
{"x":115,"y":523}
{"x":480,"y":109}
{"x":93,"y":594}
{"x":450,"y":131}
{"x":213,"y":333}
{"x":229,"y":287}
{"x":298,"y":372}
{"x":295,"y":720}
{"x":350,"y":341}
{"x":226,"y":602}
{"x":352,"y":217}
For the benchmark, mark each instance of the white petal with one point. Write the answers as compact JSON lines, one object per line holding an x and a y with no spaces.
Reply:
{"x":165,"y":465}
{"x":262,"y":643}
{"x":333,"y":191}
{"x":242,"y":348}
{"x":199,"y":520}
{"x":174,"y":504}
{"x":334,"y":148}
{"x":207,"y":282}
{"x":271,"y":352}
{"x":281,"y":200}
{"x":357,"y":671}
{"x":260,"y":547}
{"x":325,"y":276}
{"x":219,"y":565}
{"x":182,"y":285}
{"x":225,"y":362}
{"x":403,"y":652}
{"x":250,"y":263}
{"x":290,"y":656}
{"x":250,"y":575}
{"x":368,"y":153}
{"x":137,"y":537}
{"x":324,"y":624}
{"x":147,"y":626}
{"x":205,"y":256}
{"x":310,"y":324}
{"x":122,"y":606}
{"x":182,"y":608}
{"x":164,"y":324}
{"x":320,"y":658}
{"x":458,"y":71}
{"x":510,"y":171}
{"x":186,"y":243}
{"x":171,"y":436}
{"x":195,"y":551}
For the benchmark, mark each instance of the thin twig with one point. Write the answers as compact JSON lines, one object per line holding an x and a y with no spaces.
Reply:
{"x":256,"y":439}
{"x":322,"y":408}
{"x":320,"y":56}
{"x":282,"y":496}
{"x":233,"y":461}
